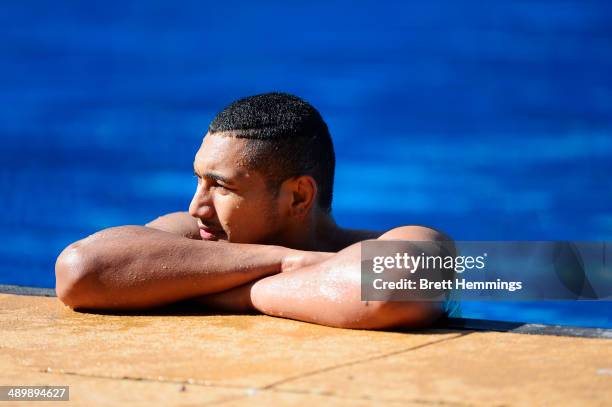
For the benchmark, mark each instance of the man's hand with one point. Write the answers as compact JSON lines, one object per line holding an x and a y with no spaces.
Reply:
{"x":298,"y":259}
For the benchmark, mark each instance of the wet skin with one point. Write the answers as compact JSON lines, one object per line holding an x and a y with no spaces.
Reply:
{"x":240,"y":248}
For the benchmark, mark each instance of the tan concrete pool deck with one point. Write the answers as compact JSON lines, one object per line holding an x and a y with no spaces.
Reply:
{"x":178,"y":358}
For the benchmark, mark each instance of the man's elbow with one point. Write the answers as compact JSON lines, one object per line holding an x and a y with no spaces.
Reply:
{"x":73,"y":271}
{"x":391,"y":314}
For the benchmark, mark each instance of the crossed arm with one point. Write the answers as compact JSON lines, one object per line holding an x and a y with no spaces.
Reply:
{"x":133,"y":267}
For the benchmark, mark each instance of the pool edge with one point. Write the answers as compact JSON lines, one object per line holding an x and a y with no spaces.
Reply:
{"x":461,"y":324}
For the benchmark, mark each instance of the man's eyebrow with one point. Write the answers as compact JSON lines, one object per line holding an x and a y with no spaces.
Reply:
{"x":217,"y":177}
{"x":213,"y":175}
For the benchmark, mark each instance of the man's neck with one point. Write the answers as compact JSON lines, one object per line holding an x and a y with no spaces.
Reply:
{"x":324,"y":235}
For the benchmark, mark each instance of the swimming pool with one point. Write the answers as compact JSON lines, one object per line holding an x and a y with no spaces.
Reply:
{"x":470,"y":119}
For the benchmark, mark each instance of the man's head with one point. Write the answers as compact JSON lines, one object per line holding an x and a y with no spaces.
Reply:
{"x":276,"y":152}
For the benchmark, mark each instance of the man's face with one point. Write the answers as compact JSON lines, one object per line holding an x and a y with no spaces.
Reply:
{"x":232,"y":202}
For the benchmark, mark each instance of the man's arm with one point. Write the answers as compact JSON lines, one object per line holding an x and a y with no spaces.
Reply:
{"x":329,"y":292}
{"x":135,"y":267}
{"x":178,"y":223}
{"x":325,"y":288}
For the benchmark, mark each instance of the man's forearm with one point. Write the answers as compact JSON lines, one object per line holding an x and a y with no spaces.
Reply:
{"x":134,"y":267}
{"x":328,"y":292}
{"x":238,"y":299}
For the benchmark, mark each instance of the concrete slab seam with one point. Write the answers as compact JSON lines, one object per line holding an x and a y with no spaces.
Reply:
{"x":360,"y":361}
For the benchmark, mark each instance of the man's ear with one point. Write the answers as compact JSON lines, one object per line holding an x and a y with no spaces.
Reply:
{"x":303,"y":195}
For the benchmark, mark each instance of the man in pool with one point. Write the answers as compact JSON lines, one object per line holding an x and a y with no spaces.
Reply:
{"x":259,"y":235}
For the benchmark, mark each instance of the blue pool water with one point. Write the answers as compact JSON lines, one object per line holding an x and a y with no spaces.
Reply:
{"x":490,"y":121}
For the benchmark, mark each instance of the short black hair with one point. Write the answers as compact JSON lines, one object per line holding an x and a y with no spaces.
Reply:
{"x":288,"y":138}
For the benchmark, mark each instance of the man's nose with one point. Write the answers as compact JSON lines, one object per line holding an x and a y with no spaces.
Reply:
{"x":201,"y":205}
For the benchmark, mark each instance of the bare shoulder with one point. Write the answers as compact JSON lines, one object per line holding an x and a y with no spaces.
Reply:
{"x":179,"y":223}
{"x":415,"y":232}
{"x":406,"y":232}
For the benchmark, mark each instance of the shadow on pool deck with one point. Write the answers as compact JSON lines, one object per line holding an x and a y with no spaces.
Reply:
{"x":174,"y":359}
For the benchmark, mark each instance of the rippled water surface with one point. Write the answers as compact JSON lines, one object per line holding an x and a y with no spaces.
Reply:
{"x":490,"y":121}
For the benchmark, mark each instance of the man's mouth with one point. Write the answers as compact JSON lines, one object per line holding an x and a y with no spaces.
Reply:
{"x":207,"y":233}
